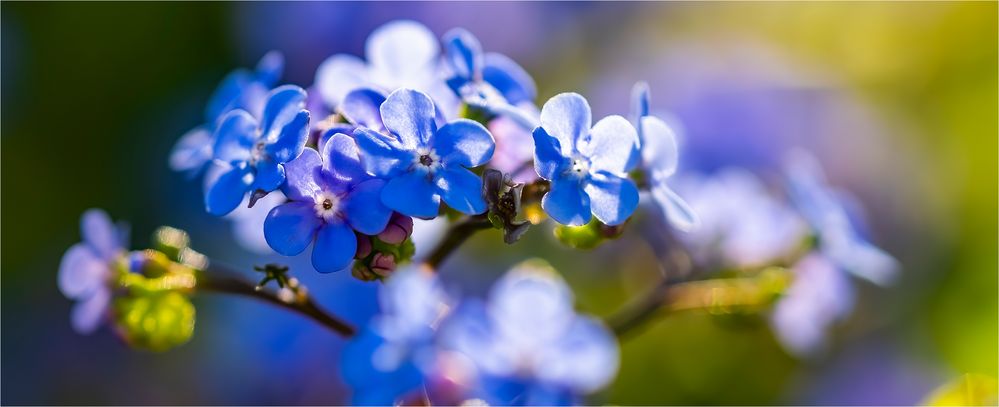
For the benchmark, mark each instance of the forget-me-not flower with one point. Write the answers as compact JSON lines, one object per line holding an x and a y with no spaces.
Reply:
{"x":425,"y":164}
{"x":825,"y":209}
{"x":819,"y":296}
{"x":400,"y":54}
{"x":87,"y":268}
{"x":389,"y":359}
{"x":488,"y":80}
{"x":254,"y":152}
{"x":330,"y":197}
{"x":527,"y":343}
{"x":241,"y":89}
{"x":659,"y":160}
{"x":588,"y":167}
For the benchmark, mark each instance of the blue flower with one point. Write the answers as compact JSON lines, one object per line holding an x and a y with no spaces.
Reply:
{"x":388,"y":359}
{"x":490,"y":80}
{"x":253,"y":152}
{"x":826,"y":211}
{"x":424,"y":164}
{"x":527,"y":343}
{"x":400,"y":54}
{"x":588,"y":167}
{"x":361,"y":109}
{"x":241,"y":89}
{"x":330,"y":198}
{"x":819,"y":296}
{"x":659,"y":160}
{"x":87,"y":268}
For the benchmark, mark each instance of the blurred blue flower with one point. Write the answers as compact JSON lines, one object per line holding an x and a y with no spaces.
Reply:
{"x":490,"y":81}
{"x":87,"y":267}
{"x":424,"y":164}
{"x":528,"y":345}
{"x":387,"y":360}
{"x":819,"y":296}
{"x":826,"y":210}
{"x":659,"y":160}
{"x":253,"y":152}
{"x":241,"y":89}
{"x":330,"y":198}
{"x":588,"y":168}
{"x":400,"y":54}
{"x":741,"y":223}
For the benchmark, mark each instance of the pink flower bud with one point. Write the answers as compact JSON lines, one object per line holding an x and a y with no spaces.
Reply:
{"x":398,"y":229}
{"x":363,"y":246}
{"x":383,"y":264}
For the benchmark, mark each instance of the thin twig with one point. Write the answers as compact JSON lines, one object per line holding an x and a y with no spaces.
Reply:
{"x":220,"y":279}
{"x":455,"y":236}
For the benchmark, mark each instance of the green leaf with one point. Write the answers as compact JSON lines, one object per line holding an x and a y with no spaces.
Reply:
{"x":155,"y":322}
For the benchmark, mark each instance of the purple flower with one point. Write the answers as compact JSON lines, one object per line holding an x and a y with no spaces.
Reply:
{"x":87,"y":268}
{"x":253,"y":152}
{"x":527,"y":343}
{"x":330,"y":198}
{"x":588,"y":167}
{"x":659,"y":158}
{"x":424,"y":164}
{"x":826,"y":211}
{"x":241,"y":89}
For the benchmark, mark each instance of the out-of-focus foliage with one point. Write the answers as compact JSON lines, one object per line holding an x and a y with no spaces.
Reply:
{"x":967,"y":390}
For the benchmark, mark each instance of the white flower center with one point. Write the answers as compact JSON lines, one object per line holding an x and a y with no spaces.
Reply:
{"x":327,"y":206}
{"x":426,"y":159}
{"x":580,"y":166}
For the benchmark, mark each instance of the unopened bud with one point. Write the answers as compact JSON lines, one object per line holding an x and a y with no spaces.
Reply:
{"x":363,"y":246}
{"x":383,"y":264}
{"x":362,"y":272}
{"x":399,"y":228}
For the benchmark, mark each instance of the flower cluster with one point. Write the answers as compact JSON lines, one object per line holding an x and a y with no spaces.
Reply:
{"x":524,"y":345}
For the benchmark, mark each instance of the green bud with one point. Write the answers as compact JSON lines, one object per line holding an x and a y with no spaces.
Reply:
{"x":155,"y":322}
{"x":584,"y":237}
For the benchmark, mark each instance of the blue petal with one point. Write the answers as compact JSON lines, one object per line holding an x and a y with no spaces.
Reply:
{"x":640,"y":100}
{"x":409,"y":115}
{"x":566,"y":116}
{"x":343,"y":160}
{"x":401,"y":48}
{"x":344,"y":128}
{"x":675,"y":209}
{"x":228,"y":190}
{"x":227,"y":95}
{"x":532,"y":303}
{"x":100,"y":234}
{"x":383,"y":155}
{"x":659,"y":151}
{"x":464,"y":142}
{"x":508,"y":78}
{"x":523,"y":117}
{"x":235,"y":137}
{"x":566,"y":202}
{"x":612,"y":199}
{"x":612,"y":146}
{"x":335,"y":247}
{"x":584,"y":360}
{"x":461,"y":189}
{"x":304,"y":177}
{"x":338,"y":75}
{"x":464,"y":53}
{"x":288,"y":143}
{"x":361,"y":107}
{"x":192,"y":151}
{"x":81,"y":272}
{"x":270,"y":68}
{"x":269,"y":176}
{"x":289,"y":228}
{"x":548,"y":158}
{"x":364,"y":209}
{"x":88,"y":314}
{"x":412,"y":194}
{"x":283,"y":104}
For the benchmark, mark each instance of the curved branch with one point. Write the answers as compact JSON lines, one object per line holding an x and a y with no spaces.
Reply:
{"x":223,"y":280}
{"x":455,"y":236}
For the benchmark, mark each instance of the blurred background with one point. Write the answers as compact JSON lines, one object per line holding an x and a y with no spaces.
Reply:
{"x":898,"y":100}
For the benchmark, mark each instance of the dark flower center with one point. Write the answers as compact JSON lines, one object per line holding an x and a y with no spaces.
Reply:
{"x":426,"y":160}
{"x":327,"y":204}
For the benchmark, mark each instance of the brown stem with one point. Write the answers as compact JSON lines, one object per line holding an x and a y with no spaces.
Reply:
{"x":223,"y":280}
{"x":455,"y":236}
